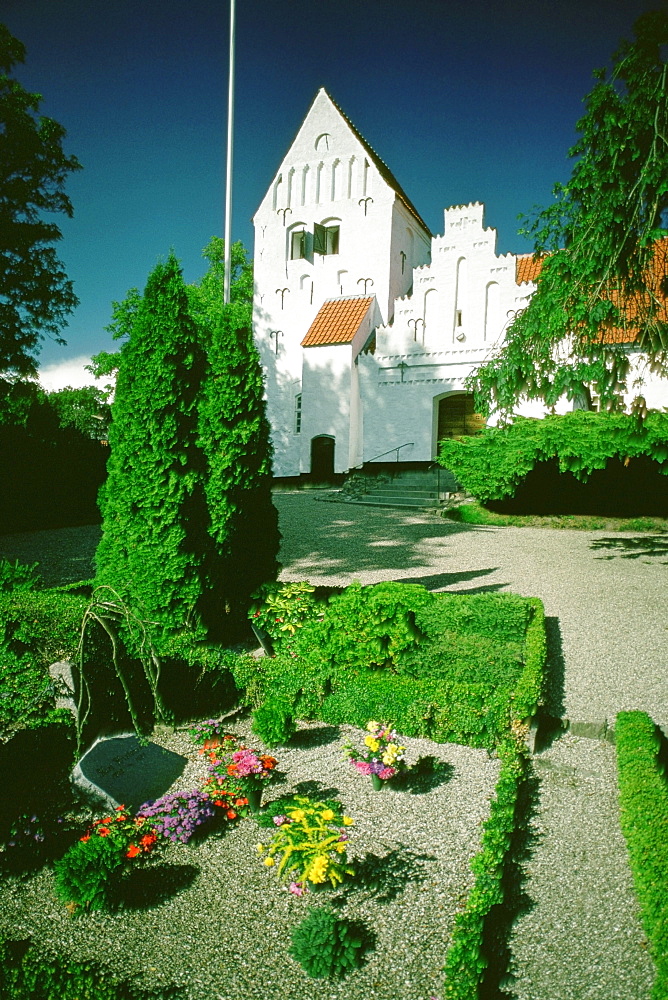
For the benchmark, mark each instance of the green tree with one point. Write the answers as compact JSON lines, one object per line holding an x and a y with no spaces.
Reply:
{"x":189,"y":529}
{"x":86,"y":409}
{"x":154,"y":512}
{"x":234,"y":431}
{"x":604,"y":275}
{"x":35,"y":293}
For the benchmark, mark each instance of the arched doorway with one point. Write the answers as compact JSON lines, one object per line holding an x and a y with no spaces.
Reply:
{"x":322,"y":457}
{"x":457,"y":417}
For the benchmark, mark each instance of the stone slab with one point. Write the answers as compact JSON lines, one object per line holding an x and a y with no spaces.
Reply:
{"x":118,"y":770}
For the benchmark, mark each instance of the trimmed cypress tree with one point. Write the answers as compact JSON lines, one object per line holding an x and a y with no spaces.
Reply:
{"x":155,"y":520}
{"x":234,"y":435}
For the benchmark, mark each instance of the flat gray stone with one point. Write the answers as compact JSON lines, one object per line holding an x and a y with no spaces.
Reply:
{"x":118,"y":770}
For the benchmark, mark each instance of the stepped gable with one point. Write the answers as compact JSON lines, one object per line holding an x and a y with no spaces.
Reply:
{"x":337,"y":321}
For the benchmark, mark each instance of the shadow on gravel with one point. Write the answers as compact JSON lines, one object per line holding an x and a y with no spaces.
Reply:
{"x":551,"y":713}
{"x":384,"y":877}
{"x":148,"y":887}
{"x":316,"y":790}
{"x":305,"y":739}
{"x":440,"y":581}
{"x":425,"y":774}
{"x":652,"y":546}
{"x":498,"y":980}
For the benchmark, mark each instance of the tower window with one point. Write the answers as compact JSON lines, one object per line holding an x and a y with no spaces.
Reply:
{"x":297,"y":244}
{"x":325,"y":239}
{"x":298,"y":413}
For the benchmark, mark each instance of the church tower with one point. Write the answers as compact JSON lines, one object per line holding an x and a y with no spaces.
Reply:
{"x":336,"y":242}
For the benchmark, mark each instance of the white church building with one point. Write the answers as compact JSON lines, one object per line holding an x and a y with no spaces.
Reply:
{"x":366,"y":323}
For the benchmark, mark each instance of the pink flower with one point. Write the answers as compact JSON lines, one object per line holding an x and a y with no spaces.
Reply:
{"x":362,"y":766}
{"x":387,"y":772}
{"x":279,"y":820}
{"x":296,"y":889}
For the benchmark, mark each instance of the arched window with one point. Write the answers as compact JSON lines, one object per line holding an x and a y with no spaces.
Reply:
{"x":460,"y":299}
{"x":492,"y":318}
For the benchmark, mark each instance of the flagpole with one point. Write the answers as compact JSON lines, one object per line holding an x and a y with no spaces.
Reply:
{"x":228,"y":178}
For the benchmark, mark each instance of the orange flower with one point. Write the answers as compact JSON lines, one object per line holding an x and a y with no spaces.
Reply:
{"x":148,"y":839}
{"x":231,"y":814}
{"x":85,"y":837}
{"x":218,"y":802}
{"x":232,"y":769}
{"x":103,"y":831}
{"x":120,"y":808}
{"x":133,"y":851}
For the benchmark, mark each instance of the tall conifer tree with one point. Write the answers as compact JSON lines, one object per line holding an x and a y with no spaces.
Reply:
{"x":154,"y":512}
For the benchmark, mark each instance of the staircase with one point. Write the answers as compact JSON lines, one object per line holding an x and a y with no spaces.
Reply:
{"x":404,"y":488}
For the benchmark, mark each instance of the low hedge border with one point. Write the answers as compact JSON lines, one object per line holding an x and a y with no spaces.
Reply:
{"x":478,"y":946}
{"x":27,"y":972}
{"x":643,"y":794}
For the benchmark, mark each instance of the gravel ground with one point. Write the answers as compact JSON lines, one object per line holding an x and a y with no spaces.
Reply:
{"x":604,"y":594}
{"x":581,"y":939}
{"x":225,"y":935}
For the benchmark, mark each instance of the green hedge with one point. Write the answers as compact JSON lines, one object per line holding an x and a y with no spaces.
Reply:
{"x":475,"y":927}
{"x":29,"y":973}
{"x":643,"y":792}
{"x":37,"y":628}
{"x":491,"y":465}
{"x":449,"y":667}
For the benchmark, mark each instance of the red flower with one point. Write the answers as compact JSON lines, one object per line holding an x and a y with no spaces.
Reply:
{"x":120,"y":808}
{"x":218,"y":802}
{"x":133,"y":851}
{"x":103,"y":831}
{"x":85,"y":837}
{"x":231,"y":814}
{"x":148,"y":840}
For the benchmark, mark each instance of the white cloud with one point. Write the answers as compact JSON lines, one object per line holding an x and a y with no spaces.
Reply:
{"x":68,"y":373}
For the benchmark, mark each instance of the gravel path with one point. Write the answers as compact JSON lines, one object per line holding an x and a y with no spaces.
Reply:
{"x":604,"y":594}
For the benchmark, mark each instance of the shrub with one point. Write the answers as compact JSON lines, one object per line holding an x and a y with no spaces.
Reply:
{"x":27,"y":972}
{"x":17,"y":576}
{"x":468,"y":959}
{"x":274,"y":722}
{"x":367,"y":627}
{"x":282,"y":608}
{"x":327,"y":946}
{"x":477,"y":664}
{"x":491,"y":465}
{"x":83,"y":876}
{"x":37,"y":628}
{"x":644,"y":821}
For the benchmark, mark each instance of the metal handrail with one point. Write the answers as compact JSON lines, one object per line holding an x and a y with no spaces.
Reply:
{"x":389,"y":452}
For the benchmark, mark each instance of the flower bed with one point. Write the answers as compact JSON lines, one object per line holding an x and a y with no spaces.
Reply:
{"x":215,"y":906}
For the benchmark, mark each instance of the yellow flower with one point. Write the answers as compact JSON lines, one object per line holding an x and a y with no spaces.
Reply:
{"x":318,"y":871}
{"x":388,"y":758}
{"x":328,"y":815}
{"x":372,"y":727}
{"x":340,"y":848}
{"x":269,"y":862}
{"x":296,"y":814}
{"x":260,"y":848}
{"x":347,"y":821}
{"x":372,"y":743}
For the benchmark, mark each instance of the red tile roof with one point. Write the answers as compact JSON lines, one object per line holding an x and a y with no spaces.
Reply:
{"x":338,"y":321}
{"x":528,"y":268}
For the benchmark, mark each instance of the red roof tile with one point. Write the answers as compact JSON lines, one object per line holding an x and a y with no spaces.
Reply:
{"x":528,"y":268}
{"x":338,"y":321}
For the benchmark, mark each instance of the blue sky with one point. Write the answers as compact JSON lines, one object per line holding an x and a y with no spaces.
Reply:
{"x":465,"y":100}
